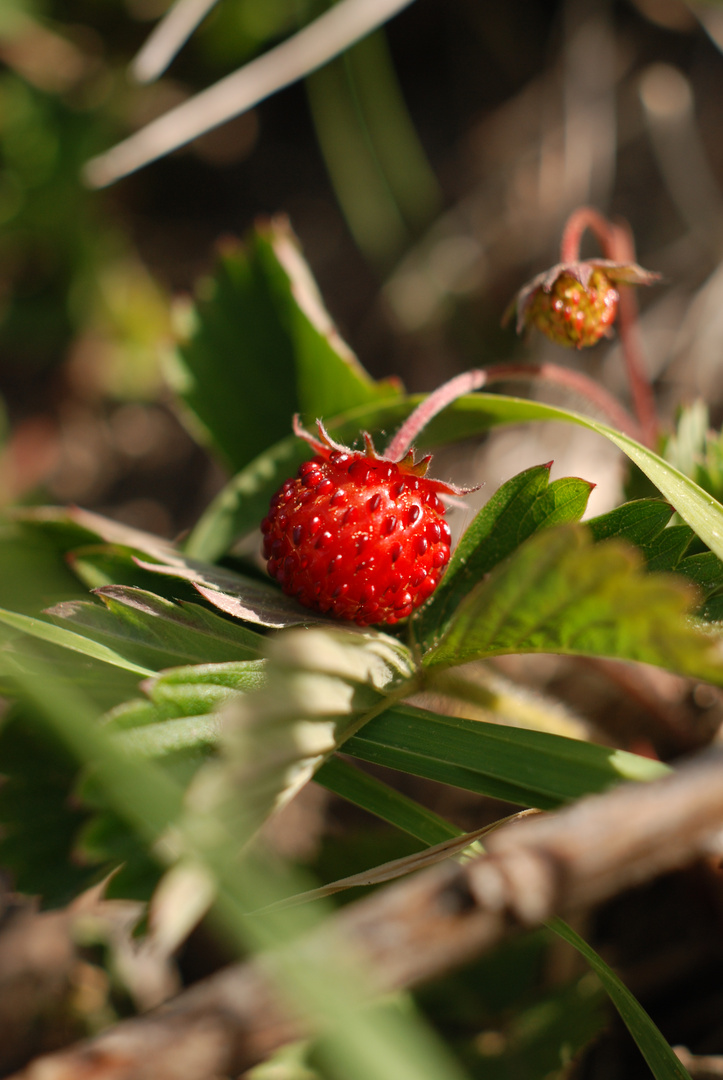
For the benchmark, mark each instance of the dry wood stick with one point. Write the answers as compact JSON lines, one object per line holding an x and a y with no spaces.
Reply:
{"x":424,"y":926}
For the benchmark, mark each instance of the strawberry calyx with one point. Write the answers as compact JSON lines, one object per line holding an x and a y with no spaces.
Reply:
{"x":330,"y":450}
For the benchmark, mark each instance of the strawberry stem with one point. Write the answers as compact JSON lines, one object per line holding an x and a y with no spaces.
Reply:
{"x":581,"y":384}
{"x":617,"y":244}
{"x":479,"y":377}
{"x":586,"y":217}
{"x":432,"y":404}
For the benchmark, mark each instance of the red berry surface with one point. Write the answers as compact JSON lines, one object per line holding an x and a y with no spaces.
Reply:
{"x":357,"y":537}
{"x":572,"y":314}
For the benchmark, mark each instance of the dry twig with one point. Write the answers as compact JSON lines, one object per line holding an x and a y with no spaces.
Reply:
{"x":417,"y":929}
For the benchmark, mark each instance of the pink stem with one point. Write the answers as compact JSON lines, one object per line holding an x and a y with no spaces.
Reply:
{"x":617,"y":245}
{"x":575,"y":381}
{"x":585,"y":217}
{"x":623,"y":250}
{"x":432,"y":404}
{"x":479,"y":377}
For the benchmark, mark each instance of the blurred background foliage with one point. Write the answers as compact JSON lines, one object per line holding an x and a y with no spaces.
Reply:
{"x":427,"y":172}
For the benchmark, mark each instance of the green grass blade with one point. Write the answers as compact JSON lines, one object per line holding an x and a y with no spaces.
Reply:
{"x":67,"y":639}
{"x":663,"y":1063}
{"x":382,"y":800}
{"x":527,"y":768}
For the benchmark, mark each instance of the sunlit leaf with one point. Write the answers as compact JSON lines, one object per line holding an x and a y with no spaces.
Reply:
{"x":561,"y":593}
{"x":522,"y":506}
{"x":263,"y":347}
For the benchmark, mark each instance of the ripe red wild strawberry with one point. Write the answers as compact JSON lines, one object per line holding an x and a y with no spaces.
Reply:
{"x":356,"y":535}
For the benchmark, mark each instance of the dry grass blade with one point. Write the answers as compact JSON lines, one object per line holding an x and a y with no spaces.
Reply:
{"x":168,"y":37}
{"x":396,"y":868}
{"x":309,"y":49}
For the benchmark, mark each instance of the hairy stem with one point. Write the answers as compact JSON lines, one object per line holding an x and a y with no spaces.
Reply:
{"x":616,"y":243}
{"x":586,"y":217}
{"x":479,"y":377}
{"x":432,"y":404}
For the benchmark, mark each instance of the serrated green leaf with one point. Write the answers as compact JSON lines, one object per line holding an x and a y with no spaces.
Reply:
{"x":197,"y":734}
{"x":262,"y":347}
{"x":157,"y":632}
{"x":561,"y":593}
{"x":202,"y":688}
{"x":522,"y":506}
{"x":527,"y":768}
{"x":705,"y":569}
{"x":645,"y":523}
{"x":184,"y":693}
{"x":640,"y":522}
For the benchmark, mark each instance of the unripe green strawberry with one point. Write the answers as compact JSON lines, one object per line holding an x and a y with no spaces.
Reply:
{"x":573,"y":315}
{"x":575,"y":303}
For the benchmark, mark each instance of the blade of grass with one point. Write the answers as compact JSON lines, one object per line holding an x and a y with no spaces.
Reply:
{"x":67,"y":639}
{"x":528,"y":768}
{"x":663,"y":1063}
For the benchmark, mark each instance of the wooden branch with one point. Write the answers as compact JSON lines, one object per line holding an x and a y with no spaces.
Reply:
{"x":424,"y":926}
{"x":37,"y":959}
{"x":700,"y":1068}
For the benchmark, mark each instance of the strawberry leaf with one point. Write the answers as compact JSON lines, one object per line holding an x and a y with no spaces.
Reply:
{"x":561,"y":593}
{"x":522,"y":506}
{"x":645,"y":523}
{"x":262,"y":347}
{"x":153,"y":631}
